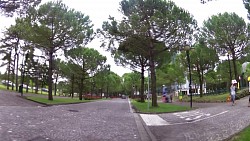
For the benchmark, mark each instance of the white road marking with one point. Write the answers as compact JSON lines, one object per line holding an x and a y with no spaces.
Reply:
{"x":200,"y":119}
{"x":153,"y":120}
{"x":193,"y":115}
{"x":130,"y":107}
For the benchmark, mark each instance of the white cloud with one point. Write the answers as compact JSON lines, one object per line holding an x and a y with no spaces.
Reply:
{"x":202,"y":12}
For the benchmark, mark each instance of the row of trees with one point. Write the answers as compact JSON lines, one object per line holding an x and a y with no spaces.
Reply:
{"x":151,"y":32}
{"x":152,"y":35}
{"x":47,"y":30}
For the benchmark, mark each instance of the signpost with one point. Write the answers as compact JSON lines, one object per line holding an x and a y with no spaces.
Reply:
{"x":248,"y":82}
{"x":148,"y":87}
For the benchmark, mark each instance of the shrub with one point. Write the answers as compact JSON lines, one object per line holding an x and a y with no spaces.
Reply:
{"x":88,"y":97}
{"x":242,"y":93}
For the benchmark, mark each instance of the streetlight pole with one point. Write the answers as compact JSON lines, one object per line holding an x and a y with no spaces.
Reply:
{"x":190,"y":78}
{"x":148,"y":86}
{"x":23,"y":72}
{"x":230,"y":72}
{"x":107,"y":82}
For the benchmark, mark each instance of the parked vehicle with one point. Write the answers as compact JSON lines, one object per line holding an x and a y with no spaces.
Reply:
{"x":5,"y":82}
{"x":25,"y":86}
{"x":124,"y":96}
{"x":44,"y":89}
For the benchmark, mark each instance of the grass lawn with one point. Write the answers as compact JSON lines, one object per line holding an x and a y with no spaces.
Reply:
{"x":162,"y":107}
{"x":244,"y":135}
{"x":63,"y":100}
{"x":207,"y":98}
{"x":3,"y":87}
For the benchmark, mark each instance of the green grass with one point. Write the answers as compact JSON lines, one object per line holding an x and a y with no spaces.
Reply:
{"x":162,"y":107}
{"x":38,"y":92}
{"x":244,"y":135}
{"x":56,"y":100}
{"x":3,"y":87}
{"x":207,"y":98}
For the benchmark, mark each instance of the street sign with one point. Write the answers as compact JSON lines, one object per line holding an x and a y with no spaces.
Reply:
{"x":249,"y":82}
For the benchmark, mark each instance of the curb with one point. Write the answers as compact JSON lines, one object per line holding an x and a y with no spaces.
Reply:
{"x":145,"y":133}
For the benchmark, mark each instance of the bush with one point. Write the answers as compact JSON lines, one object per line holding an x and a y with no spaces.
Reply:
{"x":88,"y":97}
{"x":242,"y":93}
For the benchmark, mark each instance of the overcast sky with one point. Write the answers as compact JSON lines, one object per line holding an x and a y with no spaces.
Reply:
{"x":99,"y":11}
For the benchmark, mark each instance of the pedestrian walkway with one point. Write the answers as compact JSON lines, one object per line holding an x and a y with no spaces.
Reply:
{"x":153,"y":120}
{"x":12,"y":98}
{"x":206,"y":122}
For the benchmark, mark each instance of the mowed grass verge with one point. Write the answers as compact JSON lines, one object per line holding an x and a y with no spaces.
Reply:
{"x":4,"y":87}
{"x":222,"y":97}
{"x":162,"y":107}
{"x":56,"y":100}
{"x":244,"y":135}
{"x":207,"y":98}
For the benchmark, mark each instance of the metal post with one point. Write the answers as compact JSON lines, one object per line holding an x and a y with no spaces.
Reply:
{"x":72,"y":86}
{"x":230,"y":72}
{"x":107,"y":82}
{"x":190,"y":79}
{"x":248,"y":79}
{"x":23,"y":72}
{"x":21,"y":87}
{"x":249,"y":86}
{"x":148,"y":87}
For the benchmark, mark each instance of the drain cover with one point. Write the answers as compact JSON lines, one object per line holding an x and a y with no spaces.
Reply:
{"x":73,"y":110}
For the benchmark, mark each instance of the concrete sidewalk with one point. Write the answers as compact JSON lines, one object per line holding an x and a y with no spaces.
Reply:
{"x":12,"y":98}
{"x":210,"y":122}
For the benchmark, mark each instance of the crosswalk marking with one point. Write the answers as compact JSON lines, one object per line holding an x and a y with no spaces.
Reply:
{"x":153,"y":120}
{"x":190,"y":117}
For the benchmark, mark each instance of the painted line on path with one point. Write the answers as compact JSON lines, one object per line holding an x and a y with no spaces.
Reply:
{"x":130,"y":107}
{"x":153,"y":120}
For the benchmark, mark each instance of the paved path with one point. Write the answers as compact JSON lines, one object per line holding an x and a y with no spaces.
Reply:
{"x":22,"y":120}
{"x":8,"y":98}
{"x":107,"y":120}
{"x":212,"y":122}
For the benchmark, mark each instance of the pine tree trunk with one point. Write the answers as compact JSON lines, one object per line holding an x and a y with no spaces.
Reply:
{"x":142,"y":84}
{"x":17,"y":62}
{"x":50,"y":96}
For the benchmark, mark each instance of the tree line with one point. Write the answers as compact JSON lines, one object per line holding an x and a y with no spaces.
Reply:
{"x":152,"y":36}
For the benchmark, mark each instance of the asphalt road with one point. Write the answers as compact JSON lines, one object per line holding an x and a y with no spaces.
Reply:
{"x":108,"y":120}
{"x":113,"y":120}
{"x":212,"y":123}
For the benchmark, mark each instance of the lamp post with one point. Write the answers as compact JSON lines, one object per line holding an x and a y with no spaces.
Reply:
{"x":91,"y":87}
{"x":23,"y":71}
{"x":230,"y":72}
{"x":108,"y":82}
{"x":248,"y":79}
{"x":219,"y":78}
{"x":148,"y":86}
{"x":187,"y":49}
{"x":100,"y":91}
